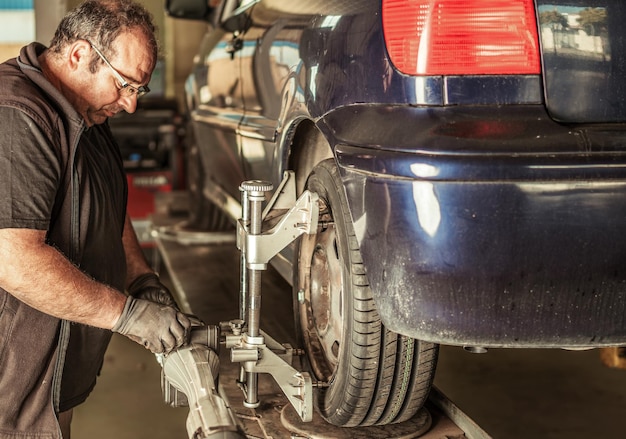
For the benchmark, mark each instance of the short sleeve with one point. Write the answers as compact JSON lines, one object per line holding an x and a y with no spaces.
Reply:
{"x":30,"y":172}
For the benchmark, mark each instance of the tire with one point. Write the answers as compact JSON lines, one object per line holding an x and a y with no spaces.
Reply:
{"x":374,"y":376}
{"x":203,"y":214}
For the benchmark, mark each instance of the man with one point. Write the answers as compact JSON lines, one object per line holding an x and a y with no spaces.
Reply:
{"x":67,"y":248}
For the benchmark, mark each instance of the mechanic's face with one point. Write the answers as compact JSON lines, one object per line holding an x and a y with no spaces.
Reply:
{"x":102,"y":94}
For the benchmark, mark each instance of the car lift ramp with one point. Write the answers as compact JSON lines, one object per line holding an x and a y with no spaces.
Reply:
{"x":204,"y":270}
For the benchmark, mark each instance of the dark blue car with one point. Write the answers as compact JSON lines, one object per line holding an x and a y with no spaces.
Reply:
{"x":470,"y":158}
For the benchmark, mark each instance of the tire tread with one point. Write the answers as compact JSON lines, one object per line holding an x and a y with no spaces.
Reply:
{"x":388,"y":376}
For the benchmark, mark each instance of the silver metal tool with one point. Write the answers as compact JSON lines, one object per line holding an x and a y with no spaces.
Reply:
{"x":189,"y":374}
{"x":189,"y":379}
{"x":261,"y":235}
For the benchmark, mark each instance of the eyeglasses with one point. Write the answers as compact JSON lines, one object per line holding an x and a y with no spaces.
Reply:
{"x":125,"y":87}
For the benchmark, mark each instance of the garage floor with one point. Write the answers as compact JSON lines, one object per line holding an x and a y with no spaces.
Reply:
{"x":511,"y":394}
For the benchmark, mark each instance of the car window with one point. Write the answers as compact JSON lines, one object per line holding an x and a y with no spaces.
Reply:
{"x":584,"y":54}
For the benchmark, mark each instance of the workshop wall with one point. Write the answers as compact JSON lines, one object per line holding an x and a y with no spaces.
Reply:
{"x":179,"y":40}
{"x":17,"y":25}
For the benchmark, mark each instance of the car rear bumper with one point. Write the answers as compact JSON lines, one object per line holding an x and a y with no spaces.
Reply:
{"x":492,"y":246}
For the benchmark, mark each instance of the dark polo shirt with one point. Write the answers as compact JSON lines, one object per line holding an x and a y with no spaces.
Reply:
{"x":58,"y":176}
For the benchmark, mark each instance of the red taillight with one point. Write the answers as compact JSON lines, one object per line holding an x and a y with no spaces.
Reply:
{"x":462,"y":37}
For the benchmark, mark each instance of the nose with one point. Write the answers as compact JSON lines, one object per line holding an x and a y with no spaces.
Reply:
{"x":128,"y":103}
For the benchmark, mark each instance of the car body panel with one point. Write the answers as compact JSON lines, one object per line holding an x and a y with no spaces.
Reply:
{"x":479,"y":230}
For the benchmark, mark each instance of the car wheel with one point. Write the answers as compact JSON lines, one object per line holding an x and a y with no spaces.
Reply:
{"x":373,"y":376}
{"x":203,"y":214}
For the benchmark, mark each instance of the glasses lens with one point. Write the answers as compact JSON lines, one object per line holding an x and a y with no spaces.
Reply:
{"x":142,"y":91}
{"x":129,"y":90}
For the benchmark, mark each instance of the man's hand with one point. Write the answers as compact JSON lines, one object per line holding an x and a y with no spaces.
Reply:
{"x":157,"y":327}
{"x":149,"y":287}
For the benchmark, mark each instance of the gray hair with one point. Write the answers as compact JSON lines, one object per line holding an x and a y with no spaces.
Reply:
{"x":101,"y":22}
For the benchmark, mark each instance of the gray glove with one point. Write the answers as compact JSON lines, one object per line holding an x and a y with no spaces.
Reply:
{"x":157,"y":327}
{"x":149,"y":287}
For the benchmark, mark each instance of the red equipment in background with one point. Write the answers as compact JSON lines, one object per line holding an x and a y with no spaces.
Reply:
{"x":151,"y":144}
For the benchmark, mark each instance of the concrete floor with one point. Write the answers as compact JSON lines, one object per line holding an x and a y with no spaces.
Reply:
{"x":547,"y":394}
{"x":511,"y":394}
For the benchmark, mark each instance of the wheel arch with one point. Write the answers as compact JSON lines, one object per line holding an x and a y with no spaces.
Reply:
{"x":308,"y":147}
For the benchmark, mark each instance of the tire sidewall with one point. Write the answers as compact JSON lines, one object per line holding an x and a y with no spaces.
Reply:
{"x":326,"y":183}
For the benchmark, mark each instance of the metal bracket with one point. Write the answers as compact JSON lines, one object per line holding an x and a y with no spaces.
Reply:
{"x":300,"y":219}
{"x":297,"y":386}
{"x":261,"y":235}
{"x":263,"y":354}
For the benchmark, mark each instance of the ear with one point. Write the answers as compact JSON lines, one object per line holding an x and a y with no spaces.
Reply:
{"x":79,"y":55}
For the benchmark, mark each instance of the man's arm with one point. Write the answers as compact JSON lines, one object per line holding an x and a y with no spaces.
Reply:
{"x":43,"y":278}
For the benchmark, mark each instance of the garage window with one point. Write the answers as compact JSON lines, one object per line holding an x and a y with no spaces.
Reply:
{"x":18,"y":21}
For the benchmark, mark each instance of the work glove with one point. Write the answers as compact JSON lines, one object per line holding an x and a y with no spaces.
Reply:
{"x":149,"y":287}
{"x":157,"y":327}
